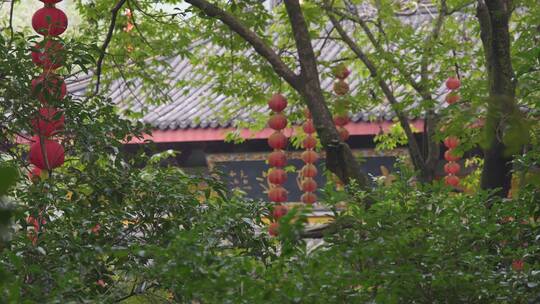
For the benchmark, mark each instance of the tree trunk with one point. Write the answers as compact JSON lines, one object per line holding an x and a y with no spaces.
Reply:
{"x":339,"y":157}
{"x":494,"y":16}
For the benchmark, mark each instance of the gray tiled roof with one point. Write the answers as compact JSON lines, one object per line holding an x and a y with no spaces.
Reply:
{"x":200,"y":107}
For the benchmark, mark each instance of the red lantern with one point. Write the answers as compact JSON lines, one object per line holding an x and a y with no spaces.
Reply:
{"x":343,"y":134}
{"x":50,"y":1}
{"x":49,"y":21}
{"x":277,"y":159}
{"x":46,"y":124}
{"x":341,"y":71}
{"x":453,"y":83}
{"x":277,"y":103}
{"x":277,"y":176}
{"x":341,"y":87}
{"x":277,"y":121}
{"x":451,"y":142}
{"x":277,"y":194}
{"x":451,"y":180}
{"x":49,"y":87}
{"x":307,"y":113}
{"x":273,"y":229}
{"x":452,"y":168}
{"x":309,"y":185}
{"x":308,"y":198}
{"x":518,"y":265}
{"x":341,"y":120}
{"x":48,"y":54}
{"x":309,"y":170}
{"x":449,"y":156}
{"x":310,"y":157}
{"x":452,"y":98}
{"x":277,"y":140}
{"x":309,"y":142}
{"x":54,"y":151}
{"x":34,"y":174}
{"x":279,"y":211}
{"x":308,"y":127}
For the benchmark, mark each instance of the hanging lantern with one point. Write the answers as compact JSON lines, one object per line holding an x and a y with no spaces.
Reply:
{"x":49,"y":21}
{"x":49,"y":87}
{"x":451,"y":142}
{"x":273,"y":229}
{"x":341,"y":71}
{"x":279,"y":211}
{"x":309,"y":142}
{"x":309,"y":170}
{"x":343,"y":134}
{"x":341,"y":120}
{"x":53,"y":150}
{"x":310,"y":156}
{"x":277,"y":103}
{"x":308,"y":198}
{"x":452,"y":168}
{"x":309,"y":185}
{"x":48,"y":122}
{"x":48,"y":54}
{"x":449,"y":156}
{"x":277,"y":140}
{"x":277,"y":194}
{"x":341,"y":87}
{"x":452,"y":98}
{"x":34,"y":175}
{"x":451,"y":180}
{"x":277,"y":122}
{"x":453,"y":83}
{"x":308,"y":127}
{"x":277,"y":159}
{"x":50,"y":1}
{"x":277,"y":176}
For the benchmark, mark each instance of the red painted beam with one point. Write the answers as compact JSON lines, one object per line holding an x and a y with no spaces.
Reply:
{"x":218,"y":134}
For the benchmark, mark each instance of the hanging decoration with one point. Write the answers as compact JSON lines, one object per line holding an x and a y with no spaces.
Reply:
{"x":451,"y":168}
{"x":49,"y":88}
{"x":277,"y":159}
{"x":46,"y":153}
{"x":307,"y":174}
{"x":341,"y":88}
{"x":452,"y":84}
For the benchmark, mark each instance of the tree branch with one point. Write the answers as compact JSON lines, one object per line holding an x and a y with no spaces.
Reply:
{"x":428,"y":46}
{"x":11,"y":30}
{"x":112,"y":25}
{"x":390,"y":57}
{"x":415,"y":151}
{"x":339,"y":157}
{"x":251,"y":37}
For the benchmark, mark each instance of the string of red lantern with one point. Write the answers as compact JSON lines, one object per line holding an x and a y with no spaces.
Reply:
{"x":45,"y":153}
{"x":277,"y":160}
{"x":49,"y":88}
{"x":452,"y":168}
{"x":309,"y":156}
{"x":341,"y":88}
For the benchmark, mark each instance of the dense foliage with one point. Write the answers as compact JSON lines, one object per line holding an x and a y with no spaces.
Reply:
{"x":118,"y":226}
